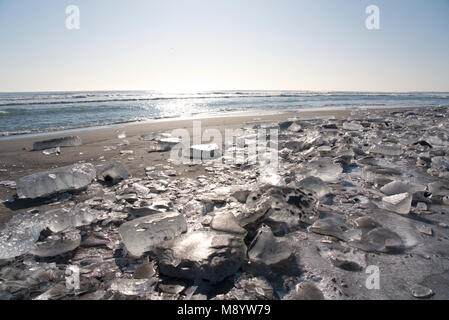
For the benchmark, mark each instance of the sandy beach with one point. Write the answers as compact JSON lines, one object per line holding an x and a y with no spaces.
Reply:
{"x":352,"y":191}
{"x":17,"y":159}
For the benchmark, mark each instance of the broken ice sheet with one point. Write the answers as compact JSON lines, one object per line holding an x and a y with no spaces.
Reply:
{"x":62,"y":179}
{"x":65,"y":219}
{"x":57,"y":244}
{"x":131,"y":287}
{"x":400,"y":203}
{"x":20,"y":234}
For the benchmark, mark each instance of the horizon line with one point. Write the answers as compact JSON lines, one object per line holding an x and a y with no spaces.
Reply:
{"x":228,"y":90}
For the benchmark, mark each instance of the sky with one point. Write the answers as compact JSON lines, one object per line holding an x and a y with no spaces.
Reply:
{"x":197,"y":45}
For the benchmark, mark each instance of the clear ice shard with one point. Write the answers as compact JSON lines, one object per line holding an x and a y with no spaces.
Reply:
{"x":142,"y":234}
{"x":266,"y":251}
{"x":315,"y":185}
{"x":225,"y":221}
{"x":57,"y":244}
{"x":396,"y":187}
{"x":205,"y":151}
{"x":323,"y":168}
{"x":73,"y":141}
{"x":205,"y":255}
{"x":22,"y":231}
{"x":131,"y":287}
{"x":113,"y":173}
{"x":155,"y":136}
{"x":59,"y":220}
{"x":352,"y":126}
{"x":400,"y":203}
{"x":42,"y":184}
{"x":386,"y":150}
{"x":19,"y":235}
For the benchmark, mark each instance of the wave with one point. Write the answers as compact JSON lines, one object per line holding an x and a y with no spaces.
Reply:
{"x":64,"y":128}
{"x":85,"y":99}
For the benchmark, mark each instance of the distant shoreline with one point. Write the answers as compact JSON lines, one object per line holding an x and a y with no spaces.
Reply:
{"x":224,"y":114}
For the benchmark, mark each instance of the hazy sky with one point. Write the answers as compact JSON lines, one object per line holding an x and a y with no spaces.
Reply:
{"x":183,"y":45}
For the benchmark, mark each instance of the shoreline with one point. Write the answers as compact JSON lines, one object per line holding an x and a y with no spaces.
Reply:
{"x":221,"y":114}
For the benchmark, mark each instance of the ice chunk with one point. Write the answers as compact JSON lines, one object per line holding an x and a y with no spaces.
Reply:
{"x":80,"y":215}
{"x":386,"y":150}
{"x":315,"y":185}
{"x":154,"y":136}
{"x":268,"y":254}
{"x":142,"y":234}
{"x":281,"y":208}
{"x":324,"y":169}
{"x":73,"y":141}
{"x":421,"y":292}
{"x":382,"y":240}
{"x":304,"y":291}
{"x":330,"y":227}
{"x":113,"y":173}
{"x":202,"y":255}
{"x":56,"y":292}
{"x":160,"y":147}
{"x":19,"y":235}
{"x":57,"y":244}
{"x":56,"y":151}
{"x":121,"y":135}
{"x":170,"y":140}
{"x":352,"y":126}
{"x":439,"y":188}
{"x":396,"y":187}
{"x":399,"y":203}
{"x":8,"y":184}
{"x":205,"y":151}
{"x":269,"y":175}
{"x":63,"y":179}
{"x":131,"y":287}
{"x":225,"y":221}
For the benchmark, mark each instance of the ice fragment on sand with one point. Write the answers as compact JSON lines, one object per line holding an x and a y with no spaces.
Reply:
{"x":62,"y":179}
{"x":400,"y":203}
{"x":142,"y":234}
{"x":73,"y":141}
{"x":113,"y":173}
{"x":202,"y":255}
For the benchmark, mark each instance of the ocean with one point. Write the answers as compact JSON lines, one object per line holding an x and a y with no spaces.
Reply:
{"x":24,"y":113}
